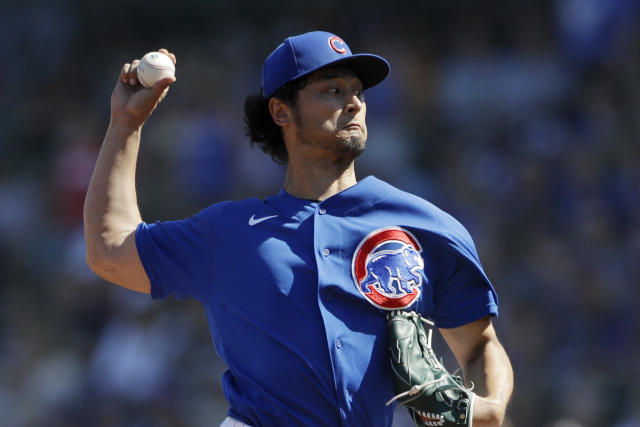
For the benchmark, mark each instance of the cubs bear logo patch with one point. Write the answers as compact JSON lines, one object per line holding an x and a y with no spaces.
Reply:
{"x":387,"y":268}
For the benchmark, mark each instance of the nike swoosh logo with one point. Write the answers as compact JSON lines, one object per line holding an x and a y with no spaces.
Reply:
{"x":253,"y":220}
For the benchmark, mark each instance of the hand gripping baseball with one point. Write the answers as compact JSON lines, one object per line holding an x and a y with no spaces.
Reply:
{"x":432,"y":395}
{"x":132,"y":103}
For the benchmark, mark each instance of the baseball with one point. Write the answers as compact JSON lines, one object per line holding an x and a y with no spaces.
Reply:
{"x":153,"y":67}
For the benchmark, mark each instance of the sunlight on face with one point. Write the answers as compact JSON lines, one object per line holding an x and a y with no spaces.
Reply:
{"x":330,"y":113}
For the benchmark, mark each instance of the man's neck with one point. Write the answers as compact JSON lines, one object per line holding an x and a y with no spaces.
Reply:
{"x":318,"y":180}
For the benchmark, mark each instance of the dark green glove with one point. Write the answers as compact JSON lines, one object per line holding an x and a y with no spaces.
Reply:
{"x":432,"y":395}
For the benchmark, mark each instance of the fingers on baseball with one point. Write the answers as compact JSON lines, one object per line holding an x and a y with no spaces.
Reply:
{"x":128,"y":74}
{"x":169,"y":54}
{"x":132,"y":75}
{"x":123,"y":72}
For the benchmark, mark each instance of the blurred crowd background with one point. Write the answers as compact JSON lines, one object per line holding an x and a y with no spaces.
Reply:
{"x":521,"y":118}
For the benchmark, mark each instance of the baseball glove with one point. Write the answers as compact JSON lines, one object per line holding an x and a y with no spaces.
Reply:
{"x":432,"y":395}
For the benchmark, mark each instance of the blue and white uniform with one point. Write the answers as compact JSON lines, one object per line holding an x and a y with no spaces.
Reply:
{"x":296,"y":293}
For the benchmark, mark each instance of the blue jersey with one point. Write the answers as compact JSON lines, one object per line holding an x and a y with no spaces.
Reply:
{"x":296,"y":294}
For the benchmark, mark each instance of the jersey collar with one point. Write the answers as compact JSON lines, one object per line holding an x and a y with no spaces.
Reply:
{"x":363,"y":194}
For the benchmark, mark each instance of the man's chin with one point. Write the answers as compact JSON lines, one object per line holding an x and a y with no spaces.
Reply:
{"x":353,"y":146}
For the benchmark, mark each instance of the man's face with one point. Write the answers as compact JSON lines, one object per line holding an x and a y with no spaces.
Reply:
{"x":330,"y":113}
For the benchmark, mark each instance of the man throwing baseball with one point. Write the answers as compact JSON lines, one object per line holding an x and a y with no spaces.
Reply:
{"x":297,"y":287}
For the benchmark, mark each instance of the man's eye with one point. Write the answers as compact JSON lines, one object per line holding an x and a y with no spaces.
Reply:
{"x":334,"y":90}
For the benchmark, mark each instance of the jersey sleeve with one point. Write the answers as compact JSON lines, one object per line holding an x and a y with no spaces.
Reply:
{"x":176,"y":255}
{"x":463,"y":293}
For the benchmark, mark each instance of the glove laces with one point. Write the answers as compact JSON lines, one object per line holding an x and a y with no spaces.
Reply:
{"x":415,"y":390}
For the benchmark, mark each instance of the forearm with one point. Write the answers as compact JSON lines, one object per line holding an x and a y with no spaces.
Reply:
{"x":111,"y":209}
{"x":492,"y":376}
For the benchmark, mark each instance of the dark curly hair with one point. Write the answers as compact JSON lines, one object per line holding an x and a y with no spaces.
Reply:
{"x":259,"y":125}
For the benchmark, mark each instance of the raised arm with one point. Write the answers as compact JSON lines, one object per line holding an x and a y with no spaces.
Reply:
{"x":111,"y":213}
{"x":485,"y":363}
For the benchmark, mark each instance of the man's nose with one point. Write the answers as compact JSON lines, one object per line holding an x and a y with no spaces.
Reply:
{"x":354,"y":104}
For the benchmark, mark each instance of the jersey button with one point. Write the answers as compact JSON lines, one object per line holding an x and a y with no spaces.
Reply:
{"x":326,"y":252}
{"x":339,"y":343}
{"x":322,"y":211}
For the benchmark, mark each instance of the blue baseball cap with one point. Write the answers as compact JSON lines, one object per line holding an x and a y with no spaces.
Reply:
{"x":300,"y":55}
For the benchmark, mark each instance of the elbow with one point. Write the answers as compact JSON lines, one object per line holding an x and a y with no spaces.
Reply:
{"x":97,"y":261}
{"x":102,"y":251}
{"x":117,"y":263}
{"x":99,"y":254}
{"x":105,"y":266}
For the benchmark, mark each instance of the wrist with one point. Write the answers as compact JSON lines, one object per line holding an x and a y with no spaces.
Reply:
{"x":122,"y":129}
{"x":487,"y":412}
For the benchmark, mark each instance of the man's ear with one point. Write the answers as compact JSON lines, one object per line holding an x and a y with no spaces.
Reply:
{"x":280,"y":112}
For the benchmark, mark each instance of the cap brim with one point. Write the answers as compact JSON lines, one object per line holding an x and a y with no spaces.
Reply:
{"x":371,"y":69}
